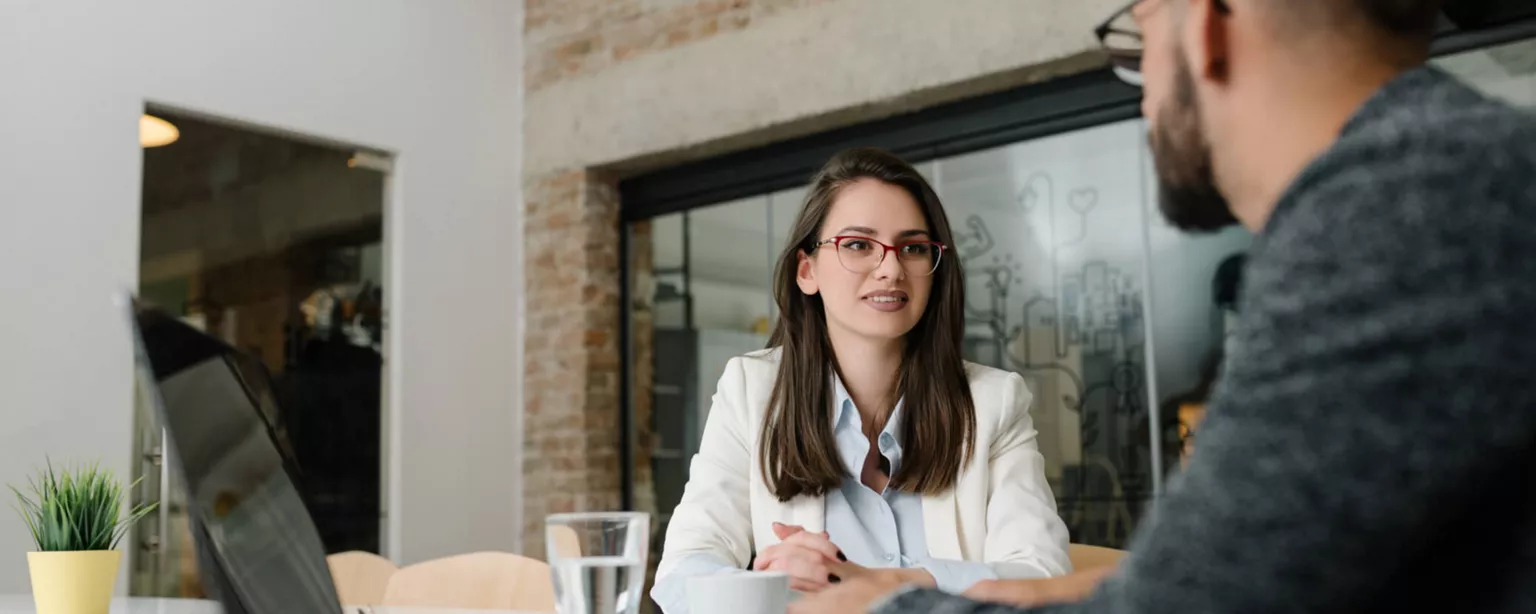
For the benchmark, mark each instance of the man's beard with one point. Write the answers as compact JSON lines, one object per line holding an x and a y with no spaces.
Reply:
{"x":1187,"y":193}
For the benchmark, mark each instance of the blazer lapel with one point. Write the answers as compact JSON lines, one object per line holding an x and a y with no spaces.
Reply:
{"x":809,"y":512}
{"x":941,"y":528}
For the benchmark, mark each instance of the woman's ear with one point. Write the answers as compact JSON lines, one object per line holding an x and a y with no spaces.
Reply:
{"x":805,"y":273}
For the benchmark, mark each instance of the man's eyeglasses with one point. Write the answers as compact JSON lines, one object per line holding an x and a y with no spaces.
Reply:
{"x":1121,"y":39}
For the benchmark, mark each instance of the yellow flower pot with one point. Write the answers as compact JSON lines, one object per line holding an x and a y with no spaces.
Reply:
{"x":73,"y":582}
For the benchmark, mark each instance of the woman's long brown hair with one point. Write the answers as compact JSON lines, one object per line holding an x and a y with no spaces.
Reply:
{"x":938,"y":429}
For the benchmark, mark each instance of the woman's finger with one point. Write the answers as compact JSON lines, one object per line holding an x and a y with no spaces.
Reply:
{"x":815,"y":546}
{"x":767,"y":557}
{"x":796,"y":584}
{"x":805,"y":569}
{"x":783,"y":531}
{"x":817,"y":542}
{"x":808,"y":577}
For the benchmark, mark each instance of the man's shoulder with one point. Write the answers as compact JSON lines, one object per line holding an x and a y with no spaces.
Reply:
{"x":1419,"y":218}
{"x":1435,"y":125}
{"x":1444,"y":164}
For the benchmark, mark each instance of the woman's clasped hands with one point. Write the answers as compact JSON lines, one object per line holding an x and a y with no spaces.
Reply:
{"x":813,"y":563}
{"x":810,"y":559}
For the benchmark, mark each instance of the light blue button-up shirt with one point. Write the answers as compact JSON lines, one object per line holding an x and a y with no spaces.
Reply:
{"x":877,"y":530}
{"x":884,"y":529}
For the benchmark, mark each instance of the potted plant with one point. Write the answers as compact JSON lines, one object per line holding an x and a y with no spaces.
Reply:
{"x":75,"y":517}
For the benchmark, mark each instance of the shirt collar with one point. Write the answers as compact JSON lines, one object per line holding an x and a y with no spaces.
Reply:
{"x":845,"y":411}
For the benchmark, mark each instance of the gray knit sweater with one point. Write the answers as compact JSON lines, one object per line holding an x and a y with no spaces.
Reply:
{"x":1372,"y":445}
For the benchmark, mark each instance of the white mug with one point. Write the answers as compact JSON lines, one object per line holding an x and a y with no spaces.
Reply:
{"x":751,"y":592}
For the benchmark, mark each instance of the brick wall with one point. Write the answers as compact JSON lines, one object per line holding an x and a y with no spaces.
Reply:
{"x":617,"y":87}
{"x":571,"y":38}
{"x":572,"y":376}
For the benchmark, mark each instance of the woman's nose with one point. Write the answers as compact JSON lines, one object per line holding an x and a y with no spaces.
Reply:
{"x":890,"y":267}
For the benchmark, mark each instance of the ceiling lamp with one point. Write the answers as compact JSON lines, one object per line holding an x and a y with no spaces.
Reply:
{"x":156,"y":132}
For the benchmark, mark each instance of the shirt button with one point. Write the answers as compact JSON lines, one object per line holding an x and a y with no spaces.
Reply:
{"x":886,"y":441}
{"x":890,"y":557}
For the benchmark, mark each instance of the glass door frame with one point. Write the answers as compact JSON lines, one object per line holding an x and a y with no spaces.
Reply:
{"x":154,"y":537}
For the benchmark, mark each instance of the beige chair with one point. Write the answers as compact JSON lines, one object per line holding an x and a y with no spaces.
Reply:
{"x":361,"y":577}
{"x":1085,"y":558}
{"x":566,"y":542}
{"x":477,"y":581}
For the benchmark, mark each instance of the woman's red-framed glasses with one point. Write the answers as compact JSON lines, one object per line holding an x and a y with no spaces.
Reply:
{"x":860,"y":254}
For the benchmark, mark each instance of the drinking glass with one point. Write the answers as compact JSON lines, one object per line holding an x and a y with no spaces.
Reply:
{"x":597,"y":560}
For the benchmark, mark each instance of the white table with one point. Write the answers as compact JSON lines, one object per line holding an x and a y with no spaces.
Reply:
{"x":22,"y":604}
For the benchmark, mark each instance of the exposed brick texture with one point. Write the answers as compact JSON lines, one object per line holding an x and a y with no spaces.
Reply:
{"x":572,"y":376}
{"x":570,"y":38}
{"x":571,"y":425}
{"x":572,"y":379}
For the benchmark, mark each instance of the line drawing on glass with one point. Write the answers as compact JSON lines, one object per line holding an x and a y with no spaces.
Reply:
{"x":1082,"y":323}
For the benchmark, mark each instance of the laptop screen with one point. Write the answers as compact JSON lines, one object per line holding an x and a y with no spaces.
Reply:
{"x":258,"y":549}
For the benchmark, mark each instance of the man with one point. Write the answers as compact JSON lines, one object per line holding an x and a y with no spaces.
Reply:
{"x":1372,"y":444}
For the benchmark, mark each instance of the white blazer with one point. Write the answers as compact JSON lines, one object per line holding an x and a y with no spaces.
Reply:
{"x":1001,"y":512}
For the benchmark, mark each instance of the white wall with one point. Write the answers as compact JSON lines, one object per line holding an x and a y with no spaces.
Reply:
{"x":438,"y":83}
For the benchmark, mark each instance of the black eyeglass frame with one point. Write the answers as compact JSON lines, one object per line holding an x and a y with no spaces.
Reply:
{"x":1127,"y":62}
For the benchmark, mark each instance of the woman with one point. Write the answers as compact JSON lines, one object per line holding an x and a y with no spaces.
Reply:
{"x":861,"y":442}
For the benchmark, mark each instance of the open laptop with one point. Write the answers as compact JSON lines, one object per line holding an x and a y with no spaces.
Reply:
{"x":258,"y":549}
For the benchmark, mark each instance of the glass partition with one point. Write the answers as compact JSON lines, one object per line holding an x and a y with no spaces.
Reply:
{"x":274,"y":245}
{"x":1116,"y":320}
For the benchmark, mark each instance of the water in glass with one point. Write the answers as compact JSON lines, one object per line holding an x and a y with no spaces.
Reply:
{"x":597,"y":561}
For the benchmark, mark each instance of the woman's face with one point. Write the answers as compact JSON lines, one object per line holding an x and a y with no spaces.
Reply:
{"x":878,"y":302}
